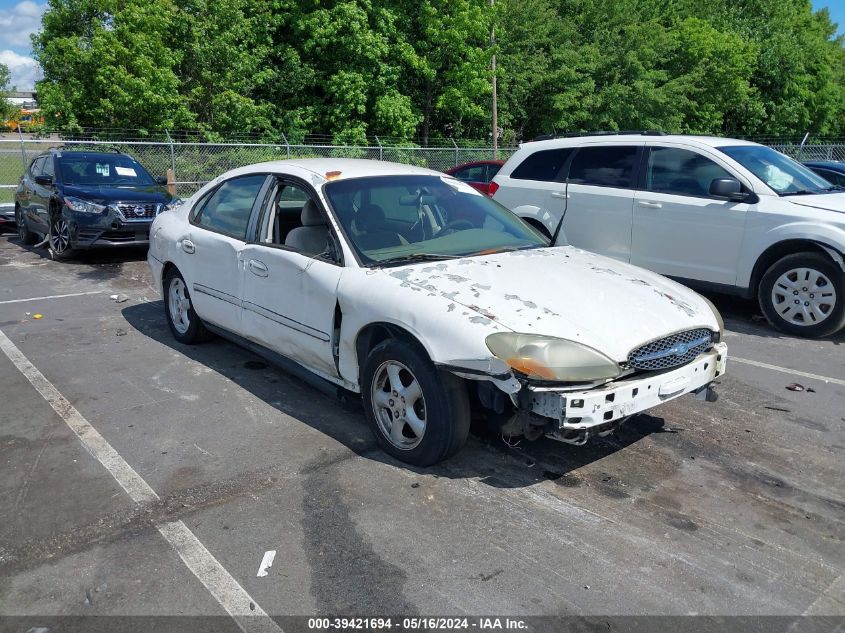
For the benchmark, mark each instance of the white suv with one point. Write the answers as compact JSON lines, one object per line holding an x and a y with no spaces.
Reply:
{"x":715,"y":213}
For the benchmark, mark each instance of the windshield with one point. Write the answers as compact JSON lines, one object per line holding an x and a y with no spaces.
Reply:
{"x":406,"y":218}
{"x":107,"y":170}
{"x":784,"y":175}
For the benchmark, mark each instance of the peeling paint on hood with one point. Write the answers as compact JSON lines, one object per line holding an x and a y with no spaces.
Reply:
{"x":563,"y":292}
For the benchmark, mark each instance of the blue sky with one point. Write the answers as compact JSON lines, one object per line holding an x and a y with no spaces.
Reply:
{"x":19,"y":18}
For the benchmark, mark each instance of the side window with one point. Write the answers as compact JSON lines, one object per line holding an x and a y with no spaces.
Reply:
{"x":681,"y":171}
{"x":475,"y":173}
{"x":36,"y":166}
{"x":285,"y":212}
{"x":832,"y":177}
{"x":605,"y":166}
{"x":48,"y":169}
{"x":543,"y":165}
{"x":228,"y":209}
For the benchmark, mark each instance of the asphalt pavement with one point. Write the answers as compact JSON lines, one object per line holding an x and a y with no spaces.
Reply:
{"x":208,"y":458}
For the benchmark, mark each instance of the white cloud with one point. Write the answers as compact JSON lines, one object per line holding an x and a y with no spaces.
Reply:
{"x":21,"y":68}
{"x":18,"y":23}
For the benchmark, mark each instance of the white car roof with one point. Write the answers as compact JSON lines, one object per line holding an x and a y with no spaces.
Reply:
{"x":712,"y":141}
{"x":348,"y":168}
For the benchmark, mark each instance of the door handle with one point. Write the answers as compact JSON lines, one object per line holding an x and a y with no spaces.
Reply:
{"x":258,"y":268}
{"x":188,"y":246}
{"x":649,"y":205}
{"x":559,"y":194}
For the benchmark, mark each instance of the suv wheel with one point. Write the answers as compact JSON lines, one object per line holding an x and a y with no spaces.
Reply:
{"x":60,"y":238}
{"x":418,"y":415}
{"x":804,"y":294}
{"x":24,"y":234}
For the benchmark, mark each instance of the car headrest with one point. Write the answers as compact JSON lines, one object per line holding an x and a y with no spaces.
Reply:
{"x":311,"y":215}
{"x":370,"y":218}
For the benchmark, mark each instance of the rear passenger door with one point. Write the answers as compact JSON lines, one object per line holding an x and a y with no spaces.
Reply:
{"x":212,"y":249}
{"x":679,"y":229}
{"x":600,"y":198}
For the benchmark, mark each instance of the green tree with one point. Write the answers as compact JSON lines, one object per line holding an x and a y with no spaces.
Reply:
{"x":111,"y":64}
{"x":6,"y":108}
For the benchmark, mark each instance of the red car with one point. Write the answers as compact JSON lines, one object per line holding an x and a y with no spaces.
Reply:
{"x":477,"y":174}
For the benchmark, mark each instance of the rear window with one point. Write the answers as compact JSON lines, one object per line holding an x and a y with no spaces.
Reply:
{"x":604,"y":166}
{"x":544,"y":165}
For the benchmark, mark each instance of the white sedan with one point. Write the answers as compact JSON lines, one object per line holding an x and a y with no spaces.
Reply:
{"x":425,"y":296}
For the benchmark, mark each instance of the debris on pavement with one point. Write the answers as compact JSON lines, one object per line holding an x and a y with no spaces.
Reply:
{"x":795,"y":387}
{"x":119,"y":298}
{"x":266,"y":563}
{"x":37,"y":316}
{"x":120,"y":332}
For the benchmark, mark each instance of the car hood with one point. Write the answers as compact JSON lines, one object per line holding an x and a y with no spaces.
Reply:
{"x":106,"y":195}
{"x":563,"y":292}
{"x":825,"y":201}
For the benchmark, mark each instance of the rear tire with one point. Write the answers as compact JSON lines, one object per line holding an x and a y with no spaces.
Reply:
{"x":183,"y":321}
{"x":418,"y":415}
{"x":804,"y":294}
{"x":24,"y":234}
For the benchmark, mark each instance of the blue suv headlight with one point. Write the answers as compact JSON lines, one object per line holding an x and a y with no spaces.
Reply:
{"x":83,"y":206}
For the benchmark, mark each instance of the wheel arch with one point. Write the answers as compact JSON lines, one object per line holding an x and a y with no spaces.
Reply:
{"x":783,"y":248}
{"x":374,"y":333}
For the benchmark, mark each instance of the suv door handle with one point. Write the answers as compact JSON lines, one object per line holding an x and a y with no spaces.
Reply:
{"x":188,"y":246}
{"x":258,"y":268}
{"x":559,"y":194}
{"x":649,"y":205}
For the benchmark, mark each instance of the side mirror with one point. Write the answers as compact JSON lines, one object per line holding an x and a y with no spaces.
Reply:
{"x":728,"y":188}
{"x":44,"y":180}
{"x":162,"y":180}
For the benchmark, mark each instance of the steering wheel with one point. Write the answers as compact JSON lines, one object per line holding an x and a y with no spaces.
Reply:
{"x":456,"y":225}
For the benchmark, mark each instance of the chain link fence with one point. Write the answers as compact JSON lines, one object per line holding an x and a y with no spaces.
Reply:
{"x":194,"y":164}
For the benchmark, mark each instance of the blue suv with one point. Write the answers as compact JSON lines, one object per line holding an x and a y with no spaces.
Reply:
{"x":82,"y":200}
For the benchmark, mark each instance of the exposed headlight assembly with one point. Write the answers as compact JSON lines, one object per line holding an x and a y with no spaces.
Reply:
{"x":83,"y":206}
{"x":550,"y":358}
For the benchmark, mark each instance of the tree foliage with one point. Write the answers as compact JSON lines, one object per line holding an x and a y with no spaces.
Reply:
{"x":421,"y":68}
{"x":6,"y":108}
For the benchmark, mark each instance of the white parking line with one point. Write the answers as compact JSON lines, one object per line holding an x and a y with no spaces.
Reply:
{"x":73,"y":294}
{"x":222,"y":586}
{"x":786,"y":370}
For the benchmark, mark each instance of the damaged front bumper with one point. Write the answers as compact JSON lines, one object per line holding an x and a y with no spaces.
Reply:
{"x":575,"y":416}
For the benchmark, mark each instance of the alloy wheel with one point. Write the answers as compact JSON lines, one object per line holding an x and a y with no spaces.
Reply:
{"x":60,"y":235}
{"x":21,"y":227}
{"x":398,"y":405}
{"x":179,"y":304}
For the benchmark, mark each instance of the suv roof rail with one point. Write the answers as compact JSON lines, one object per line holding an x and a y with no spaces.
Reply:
{"x":546,"y":137}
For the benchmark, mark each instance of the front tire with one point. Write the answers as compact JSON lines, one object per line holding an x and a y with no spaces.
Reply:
{"x":59,"y":238}
{"x":418,"y":415}
{"x":804,"y":294}
{"x":24,"y":234}
{"x":184,"y":323}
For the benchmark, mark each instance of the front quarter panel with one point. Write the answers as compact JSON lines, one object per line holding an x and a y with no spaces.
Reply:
{"x":451,"y":334}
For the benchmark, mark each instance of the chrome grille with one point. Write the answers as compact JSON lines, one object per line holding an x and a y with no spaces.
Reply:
{"x":671,"y":351}
{"x":138,"y":210}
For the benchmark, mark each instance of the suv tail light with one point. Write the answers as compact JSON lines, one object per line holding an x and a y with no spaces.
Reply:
{"x":494,"y":187}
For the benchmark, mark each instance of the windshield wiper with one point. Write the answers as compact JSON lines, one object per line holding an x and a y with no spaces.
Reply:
{"x":800,"y":192}
{"x":834,"y":188}
{"x":505,"y":249}
{"x":414,"y":257}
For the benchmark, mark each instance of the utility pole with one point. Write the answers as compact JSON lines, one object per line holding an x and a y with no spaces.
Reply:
{"x":495,"y":98}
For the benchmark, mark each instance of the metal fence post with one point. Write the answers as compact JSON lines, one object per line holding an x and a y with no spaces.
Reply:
{"x":380,"y":149}
{"x":456,"y":150}
{"x":23,"y":151}
{"x":287,"y":145}
{"x":172,"y":154}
